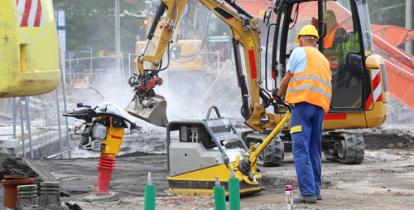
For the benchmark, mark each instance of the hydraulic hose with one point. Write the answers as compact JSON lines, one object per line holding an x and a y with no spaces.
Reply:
{"x":160,"y":11}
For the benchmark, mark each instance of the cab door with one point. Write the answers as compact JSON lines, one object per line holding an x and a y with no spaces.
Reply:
{"x":342,"y":45}
{"x":340,"y":42}
{"x":346,"y":54}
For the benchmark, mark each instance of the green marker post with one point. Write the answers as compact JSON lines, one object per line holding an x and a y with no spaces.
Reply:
{"x":234,"y":192}
{"x":219,"y":196}
{"x":149,"y":194}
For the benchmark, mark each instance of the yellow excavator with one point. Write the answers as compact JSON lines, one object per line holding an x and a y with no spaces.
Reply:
{"x":200,"y":48}
{"x":204,"y":149}
{"x":190,"y":40}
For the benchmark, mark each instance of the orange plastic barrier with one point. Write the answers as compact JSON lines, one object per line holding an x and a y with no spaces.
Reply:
{"x":400,"y":71}
{"x":394,"y":35}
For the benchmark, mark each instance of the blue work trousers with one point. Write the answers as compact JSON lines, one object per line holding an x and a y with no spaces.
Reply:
{"x":306,"y":145}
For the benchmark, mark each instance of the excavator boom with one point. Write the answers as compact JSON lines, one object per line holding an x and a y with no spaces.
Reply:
{"x":151,"y":107}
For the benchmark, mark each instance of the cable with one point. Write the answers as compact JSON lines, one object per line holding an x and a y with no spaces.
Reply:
{"x":160,"y":67}
{"x":168,"y":59}
{"x":296,"y":16}
{"x":266,"y":98}
{"x":245,"y":111}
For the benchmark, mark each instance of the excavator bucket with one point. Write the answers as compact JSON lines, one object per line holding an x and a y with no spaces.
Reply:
{"x":152,"y":110}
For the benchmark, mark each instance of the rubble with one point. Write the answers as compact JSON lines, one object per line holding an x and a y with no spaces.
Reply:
{"x":129,"y":178}
{"x":12,"y":165}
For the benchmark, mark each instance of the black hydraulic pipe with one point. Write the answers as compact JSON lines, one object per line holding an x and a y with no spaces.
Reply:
{"x":321,"y":24}
{"x":237,"y":61}
{"x":276,"y":35}
{"x":241,"y":80}
{"x":245,"y":98}
{"x":160,"y":11}
{"x":239,"y":9}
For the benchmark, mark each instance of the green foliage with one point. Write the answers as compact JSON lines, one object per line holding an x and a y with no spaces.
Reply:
{"x":90,"y":23}
{"x":387,"y":12}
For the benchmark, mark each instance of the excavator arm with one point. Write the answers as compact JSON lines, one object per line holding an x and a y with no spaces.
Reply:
{"x":151,"y":107}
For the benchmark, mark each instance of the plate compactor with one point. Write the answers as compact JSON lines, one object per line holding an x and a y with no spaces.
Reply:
{"x":201,"y":150}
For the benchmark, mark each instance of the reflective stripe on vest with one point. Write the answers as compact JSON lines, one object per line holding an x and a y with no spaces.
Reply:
{"x":310,"y":88}
{"x":313,"y":85}
{"x":311,"y":77}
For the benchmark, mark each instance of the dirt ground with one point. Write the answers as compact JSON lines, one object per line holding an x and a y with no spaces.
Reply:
{"x":385,"y":180}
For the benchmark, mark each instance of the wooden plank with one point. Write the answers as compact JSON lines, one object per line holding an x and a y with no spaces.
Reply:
{"x":44,"y":174}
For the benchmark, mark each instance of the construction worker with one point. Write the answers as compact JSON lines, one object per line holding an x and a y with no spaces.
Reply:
{"x":307,"y":85}
{"x":337,"y":44}
{"x":334,"y":31}
{"x":334,"y":36}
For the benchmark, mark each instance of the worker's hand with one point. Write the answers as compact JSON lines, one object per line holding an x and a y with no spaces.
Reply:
{"x":276,"y":96}
{"x":280,"y":100}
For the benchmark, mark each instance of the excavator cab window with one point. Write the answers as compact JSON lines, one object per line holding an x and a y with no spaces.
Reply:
{"x":340,"y":41}
{"x":343,"y":49}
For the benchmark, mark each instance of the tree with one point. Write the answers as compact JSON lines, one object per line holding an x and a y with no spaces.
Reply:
{"x":90,"y":23}
{"x":387,"y":12}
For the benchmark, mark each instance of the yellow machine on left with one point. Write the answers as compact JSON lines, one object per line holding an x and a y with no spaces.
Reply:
{"x":29,"y":55}
{"x":104,"y":127}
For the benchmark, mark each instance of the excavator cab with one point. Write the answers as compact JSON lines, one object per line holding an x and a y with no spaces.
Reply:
{"x":358,"y":75}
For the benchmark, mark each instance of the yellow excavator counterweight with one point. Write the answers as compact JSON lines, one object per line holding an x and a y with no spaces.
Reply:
{"x":29,"y":55}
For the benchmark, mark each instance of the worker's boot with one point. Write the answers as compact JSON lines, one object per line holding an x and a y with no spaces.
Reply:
{"x":305,"y":199}
{"x":319,"y":197}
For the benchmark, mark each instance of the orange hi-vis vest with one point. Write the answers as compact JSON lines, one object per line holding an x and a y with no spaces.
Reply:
{"x":329,"y":39}
{"x":328,"y":42}
{"x":313,"y":85}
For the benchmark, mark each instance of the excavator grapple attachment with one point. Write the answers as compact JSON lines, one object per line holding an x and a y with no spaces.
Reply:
{"x":152,"y":109}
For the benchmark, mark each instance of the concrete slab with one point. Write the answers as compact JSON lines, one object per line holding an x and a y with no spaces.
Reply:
{"x":44,"y":174}
{"x":112,"y":196}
